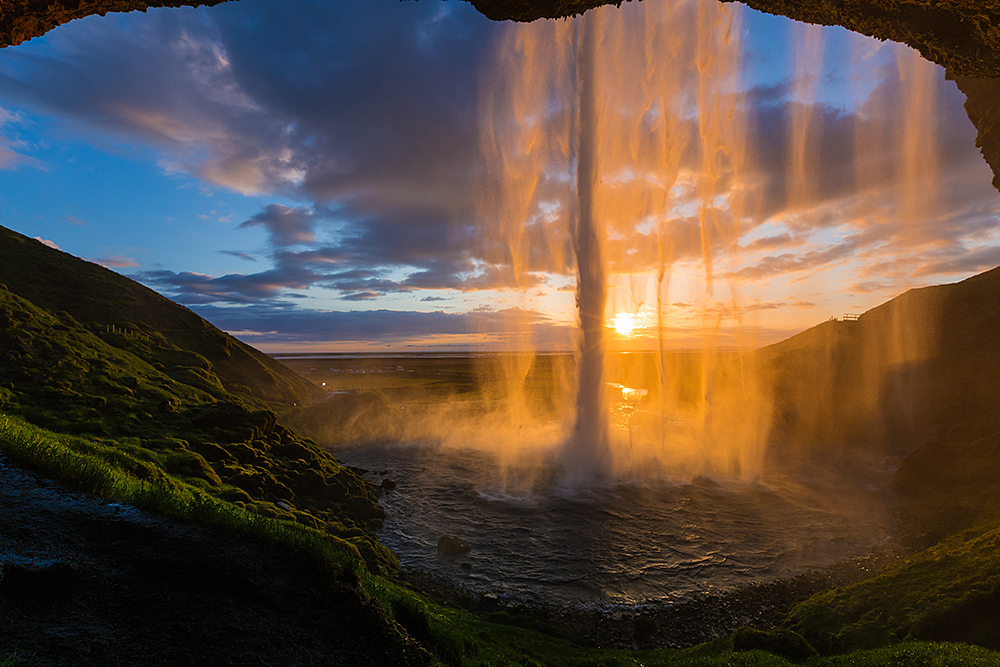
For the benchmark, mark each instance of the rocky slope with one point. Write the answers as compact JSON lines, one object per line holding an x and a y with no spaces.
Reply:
{"x":87,"y":581}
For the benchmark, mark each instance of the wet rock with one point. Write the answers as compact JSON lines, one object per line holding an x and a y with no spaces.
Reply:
{"x":388,"y":485}
{"x":466,"y":566}
{"x":38,"y":581}
{"x":367,"y":511}
{"x":644,"y":628}
{"x":451,"y":546}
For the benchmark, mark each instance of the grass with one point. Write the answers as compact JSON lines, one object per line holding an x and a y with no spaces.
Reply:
{"x":947,"y":591}
{"x":106,"y":471}
{"x":174,"y":416}
{"x":81,"y":294}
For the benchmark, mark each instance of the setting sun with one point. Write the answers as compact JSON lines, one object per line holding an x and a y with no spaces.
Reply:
{"x":624,"y":324}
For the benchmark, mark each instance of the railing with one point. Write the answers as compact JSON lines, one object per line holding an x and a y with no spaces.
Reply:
{"x":122,"y":331}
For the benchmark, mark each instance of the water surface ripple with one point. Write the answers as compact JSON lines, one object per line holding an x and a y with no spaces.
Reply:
{"x":627,"y":544}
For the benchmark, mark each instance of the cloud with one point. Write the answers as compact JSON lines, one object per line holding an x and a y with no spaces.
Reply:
{"x":768,"y":242}
{"x":115,"y":262}
{"x":11,"y":159}
{"x":775,"y":305}
{"x":51,"y":244}
{"x":786,"y":263}
{"x":197,"y":288}
{"x":868,"y":287}
{"x":286,"y":226}
{"x":963,"y":263}
{"x":234,"y":253}
{"x":276,"y":325}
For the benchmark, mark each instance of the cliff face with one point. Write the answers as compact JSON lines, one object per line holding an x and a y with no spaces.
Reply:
{"x":982,"y":103}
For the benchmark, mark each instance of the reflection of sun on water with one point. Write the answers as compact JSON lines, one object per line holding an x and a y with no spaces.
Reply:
{"x":624,"y":324}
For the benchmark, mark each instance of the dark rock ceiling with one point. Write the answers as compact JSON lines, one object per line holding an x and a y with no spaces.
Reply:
{"x":20,"y":20}
{"x":963,"y":36}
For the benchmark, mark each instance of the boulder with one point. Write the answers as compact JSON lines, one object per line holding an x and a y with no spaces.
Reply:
{"x":451,"y":546}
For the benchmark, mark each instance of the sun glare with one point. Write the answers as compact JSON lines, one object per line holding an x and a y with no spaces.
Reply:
{"x":624,"y":324}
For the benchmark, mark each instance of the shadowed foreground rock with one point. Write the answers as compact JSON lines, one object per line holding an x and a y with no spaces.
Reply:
{"x":84,"y":581}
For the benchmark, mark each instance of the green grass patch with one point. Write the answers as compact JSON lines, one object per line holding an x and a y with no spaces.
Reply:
{"x":915,"y":654}
{"x":949,"y":591}
{"x":108,"y":471}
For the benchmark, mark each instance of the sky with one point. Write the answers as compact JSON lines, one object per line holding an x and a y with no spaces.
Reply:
{"x":310,"y":176}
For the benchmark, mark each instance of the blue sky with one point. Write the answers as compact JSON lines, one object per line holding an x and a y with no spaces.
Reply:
{"x":302,"y":174}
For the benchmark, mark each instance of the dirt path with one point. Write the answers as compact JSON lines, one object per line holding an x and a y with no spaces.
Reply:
{"x":86,"y":581}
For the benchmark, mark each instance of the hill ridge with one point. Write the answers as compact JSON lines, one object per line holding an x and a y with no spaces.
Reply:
{"x":97,"y":298}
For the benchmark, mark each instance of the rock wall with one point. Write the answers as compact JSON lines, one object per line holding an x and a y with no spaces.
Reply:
{"x":982,"y":103}
{"x":20,"y":20}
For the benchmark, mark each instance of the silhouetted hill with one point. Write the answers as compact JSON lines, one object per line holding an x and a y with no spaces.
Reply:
{"x":923,"y":365}
{"x":100,"y":299}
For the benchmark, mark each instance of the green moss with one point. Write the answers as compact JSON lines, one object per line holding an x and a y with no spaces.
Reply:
{"x":106,"y":470}
{"x":165,"y":335}
{"x":948,"y":591}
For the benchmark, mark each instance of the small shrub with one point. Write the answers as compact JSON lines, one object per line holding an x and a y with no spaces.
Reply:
{"x":778,"y":641}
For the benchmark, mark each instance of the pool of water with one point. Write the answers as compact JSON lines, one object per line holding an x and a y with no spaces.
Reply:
{"x":625,"y":543}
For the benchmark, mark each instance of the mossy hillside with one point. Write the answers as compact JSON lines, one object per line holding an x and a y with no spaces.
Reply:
{"x":158,"y":330}
{"x":125,"y":473}
{"x":950,"y":591}
{"x":948,"y":485}
{"x":60,"y":375}
{"x":459,"y":639}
